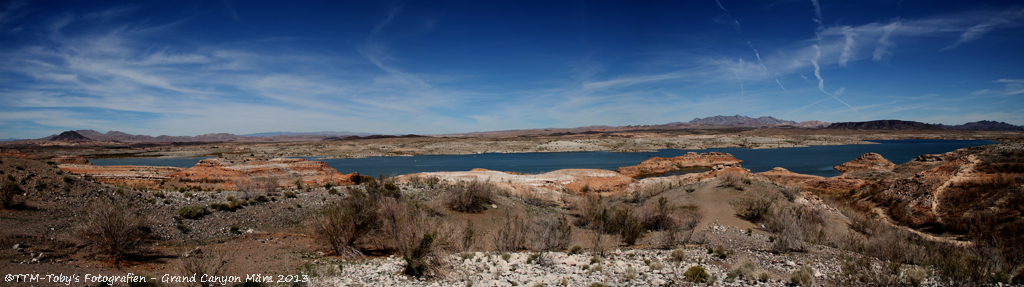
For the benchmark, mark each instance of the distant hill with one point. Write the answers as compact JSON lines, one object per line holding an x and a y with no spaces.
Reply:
{"x":69,"y":136}
{"x":740,"y":121}
{"x":884,"y":125}
{"x":117,"y":136}
{"x":986,"y":126}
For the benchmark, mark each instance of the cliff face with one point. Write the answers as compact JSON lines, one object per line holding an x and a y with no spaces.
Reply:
{"x":660,"y":165}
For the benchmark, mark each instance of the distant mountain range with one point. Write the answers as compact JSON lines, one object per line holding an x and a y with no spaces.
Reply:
{"x":85,"y":136}
{"x":986,"y":126}
{"x":911,"y":125}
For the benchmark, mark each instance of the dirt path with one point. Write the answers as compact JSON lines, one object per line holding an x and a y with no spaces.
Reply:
{"x":714,"y":205}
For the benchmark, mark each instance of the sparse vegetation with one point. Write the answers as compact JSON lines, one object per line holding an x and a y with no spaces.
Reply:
{"x":697,"y":274}
{"x":117,"y":228}
{"x":803,"y":277}
{"x":8,"y":190}
{"x":470,"y":196}
{"x":193,"y":211}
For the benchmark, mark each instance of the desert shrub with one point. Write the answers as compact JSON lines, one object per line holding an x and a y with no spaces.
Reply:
{"x":339,"y":225}
{"x":591,"y":211}
{"x":576,"y":249}
{"x":756,"y":204}
{"x":629,"y":274}
{"x":383,"y":186}
{"x":204,"y":261}
{"x":193,"y":211}
{"x":510,"y":234}
{"x":747,"y":270}
{"x":8,"y":190}
{"x":678,"y":255}
{"x":733,"y":180}
{"x":720,"y":252}
{"x":246,"y":187}
{"x":469,"y":235}
{"x":470,"y":196}
{"x":422,"y":241}
{"x":802,"y":277}
{"x":551,"y":234}
{"x":648,"y":191}
{"x":289,"y":194}
{"x":115,"y":227}
{"x":269,"y":185}
{"x":627,"y":225}
{"x":696,"y":274}
{"x":680,"y":231}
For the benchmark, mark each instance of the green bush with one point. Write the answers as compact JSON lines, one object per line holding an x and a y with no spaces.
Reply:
{"x":696,"y":274}
{"x":193,"y":211}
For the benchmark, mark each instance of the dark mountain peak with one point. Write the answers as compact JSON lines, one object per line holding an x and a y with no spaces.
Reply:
{"x":986,"y":126}
{"x":70,"y":136}
{"x":884,"y":125}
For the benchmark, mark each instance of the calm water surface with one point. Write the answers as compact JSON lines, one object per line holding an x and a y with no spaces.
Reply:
{"x":817,"y":160}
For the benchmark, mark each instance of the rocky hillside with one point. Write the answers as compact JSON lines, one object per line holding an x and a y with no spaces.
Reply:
{"x":883,"y":125}
{"x":740,"y":121}
{"x":986,"y":126}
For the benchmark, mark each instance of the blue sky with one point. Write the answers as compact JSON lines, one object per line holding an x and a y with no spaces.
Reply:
{"x":433,"y":67}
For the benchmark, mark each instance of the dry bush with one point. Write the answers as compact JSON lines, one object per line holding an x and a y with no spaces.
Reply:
{"x":339,"y":225}
{"x":627,"y":225}
{"x":470,"y":196}
{"x":591,"y":211}
{"x":247,"y":187}
{"x":803,"y":277}
{"x":551,"y":234}
{"x":383,"y":186}
{"x":424,"y":242}
{"x":469,"y":235}
{"x":756,"y":204}
{"x":203,"y":261}
{"x":648,"y":191}
{"x":331,"y":226}
{"x":747,"y":270}
{"x":733,"y":180}
{"x":117,"y":228}
{"x":511,"y":233}
{"x":269,"y":185}
{"x":676,"y":224}
{"x":8,"y":190}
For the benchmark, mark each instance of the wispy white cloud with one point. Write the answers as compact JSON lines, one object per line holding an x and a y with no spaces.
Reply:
{"x":884,"y":44}
{"x":1000,"y":20}
{"x":848,"y":47}
{"x":817,"y":11}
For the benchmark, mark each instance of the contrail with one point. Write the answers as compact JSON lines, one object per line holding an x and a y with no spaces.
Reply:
{"x":817,"y":11}
{"x":720,"y":6}
{"x":780,"y":84}
{"x":821,"y":82}
{"x":817,"y":69}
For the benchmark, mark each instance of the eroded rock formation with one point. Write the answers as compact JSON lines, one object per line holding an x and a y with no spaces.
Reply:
{"x":660,"y":165}
{"x":866,"y":162}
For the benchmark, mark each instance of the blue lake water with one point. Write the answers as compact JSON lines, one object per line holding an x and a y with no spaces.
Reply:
{"x":816,"y":160}
{"x":154,"y":161}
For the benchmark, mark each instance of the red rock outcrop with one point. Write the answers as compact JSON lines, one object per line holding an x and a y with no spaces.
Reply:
{"x":223,"y":173}
{"x":660,"y":165}
{"x":782,"y":176}
{"x":866,"y":162}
